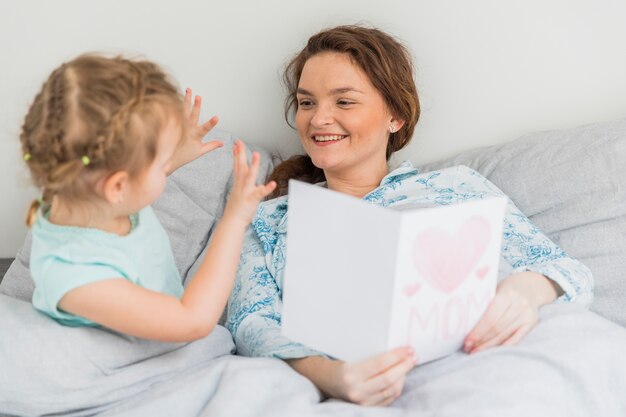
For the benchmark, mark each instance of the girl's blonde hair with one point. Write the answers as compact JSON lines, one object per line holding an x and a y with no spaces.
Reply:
{"x":93,"y":116}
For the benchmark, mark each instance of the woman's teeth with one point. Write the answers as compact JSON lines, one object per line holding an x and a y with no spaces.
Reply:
{"x":328,"y":138}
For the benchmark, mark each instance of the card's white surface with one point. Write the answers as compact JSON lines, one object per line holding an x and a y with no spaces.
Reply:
{"x":361,"y":279}
{"x":338,"y":284}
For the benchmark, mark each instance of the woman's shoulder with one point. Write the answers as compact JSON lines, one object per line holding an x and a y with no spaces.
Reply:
{"x":271,"y":218}
{"x":274,"y":209}
{"x":449,"y":170}
{"x":444,"y":184}
{"x":407,"y":170}
{"x":454,"y":174}
{"x":406,"y":173}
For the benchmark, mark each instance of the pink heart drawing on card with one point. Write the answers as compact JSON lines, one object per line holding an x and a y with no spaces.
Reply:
{"x":482,"y":272}
{"x":411,"y":289}
{"x":445,"y":260}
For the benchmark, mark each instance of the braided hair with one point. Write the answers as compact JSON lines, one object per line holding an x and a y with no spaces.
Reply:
{"x":93,"y":116}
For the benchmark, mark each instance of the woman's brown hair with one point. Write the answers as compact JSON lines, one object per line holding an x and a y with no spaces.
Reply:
{"x":93,"y":116}
{"x":389,"y":67}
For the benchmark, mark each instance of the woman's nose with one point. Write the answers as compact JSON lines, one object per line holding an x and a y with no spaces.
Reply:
{"x":323,"y":116}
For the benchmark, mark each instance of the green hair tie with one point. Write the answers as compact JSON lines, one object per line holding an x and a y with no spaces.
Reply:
{"x":27,"y":157}
{"x":85,"y":160}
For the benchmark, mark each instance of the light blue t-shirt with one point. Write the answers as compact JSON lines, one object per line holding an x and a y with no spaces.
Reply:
{"x":66,"y":257}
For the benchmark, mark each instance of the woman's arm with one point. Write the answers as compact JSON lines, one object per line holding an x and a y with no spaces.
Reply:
{"x":254,"y":319}
{"x":542,"y":273}
{"x":255,"y":304}
{"x":526,"y":248}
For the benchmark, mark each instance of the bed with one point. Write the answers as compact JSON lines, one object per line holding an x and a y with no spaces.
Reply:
{"x":571,"y":183}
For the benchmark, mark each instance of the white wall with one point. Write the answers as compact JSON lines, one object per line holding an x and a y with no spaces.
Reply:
{"x":487,"y":71}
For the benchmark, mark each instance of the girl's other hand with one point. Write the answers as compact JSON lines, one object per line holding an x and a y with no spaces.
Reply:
{"x":246,"y":194}
{"x":191,"y":146}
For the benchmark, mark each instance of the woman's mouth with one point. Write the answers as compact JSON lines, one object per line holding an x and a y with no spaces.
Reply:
{"x":328,"y":138}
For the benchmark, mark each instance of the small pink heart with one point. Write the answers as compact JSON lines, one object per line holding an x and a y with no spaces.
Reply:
{"x":411,"y":289}
{"x":482,"y":272}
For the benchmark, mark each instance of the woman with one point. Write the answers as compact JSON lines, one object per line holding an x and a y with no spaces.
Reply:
{"x":356,"y":104}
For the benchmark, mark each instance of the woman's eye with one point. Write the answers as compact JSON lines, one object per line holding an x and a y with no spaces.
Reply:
{"x":305,"y":103}
{"x":344,"y":103}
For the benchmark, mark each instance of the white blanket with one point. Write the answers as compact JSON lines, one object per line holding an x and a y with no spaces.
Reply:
{"x":571,"y":364}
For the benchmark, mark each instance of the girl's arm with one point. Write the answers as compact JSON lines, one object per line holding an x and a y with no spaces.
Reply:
{"x":131,"y":309}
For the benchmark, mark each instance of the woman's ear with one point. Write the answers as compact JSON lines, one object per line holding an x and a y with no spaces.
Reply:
{"x":114,"y":187}
{"x":395,"y":125}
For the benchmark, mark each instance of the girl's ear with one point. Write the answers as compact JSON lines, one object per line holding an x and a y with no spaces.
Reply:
{"x":114,"y":187}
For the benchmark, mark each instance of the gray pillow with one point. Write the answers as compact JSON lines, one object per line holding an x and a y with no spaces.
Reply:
{"x":193,"y":201}
{"x":572,"y":185}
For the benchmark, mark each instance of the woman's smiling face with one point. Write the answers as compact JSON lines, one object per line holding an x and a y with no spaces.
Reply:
{"x":341,"y":117}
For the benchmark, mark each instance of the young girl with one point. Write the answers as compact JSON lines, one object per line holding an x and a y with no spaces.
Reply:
{"x":99,"y":140}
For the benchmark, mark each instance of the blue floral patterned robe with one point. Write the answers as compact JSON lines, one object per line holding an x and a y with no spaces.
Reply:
{"x":254,"y":308}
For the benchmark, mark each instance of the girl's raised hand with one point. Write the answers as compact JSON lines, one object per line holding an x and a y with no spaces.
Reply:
{"x":191,"y":146}
{"x":246,"y":194}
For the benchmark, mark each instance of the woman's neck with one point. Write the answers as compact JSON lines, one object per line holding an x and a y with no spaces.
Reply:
{"x":357,"y":182}
{"x":88,"y":215}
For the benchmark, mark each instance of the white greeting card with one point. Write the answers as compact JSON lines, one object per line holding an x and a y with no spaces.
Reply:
{"x":361,"y":279}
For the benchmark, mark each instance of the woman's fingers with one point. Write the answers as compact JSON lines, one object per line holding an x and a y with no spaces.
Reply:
{"x":519,"y":318}
{"x":385,"y":387}
{"x":390,"y":394}
{"x":518,"y":328}
{"x":378,"y":380}
{"x":374,"y":366}
{"x":518,"y":335}
{"x":391,"y":375}
{"x":496,"y":339}
{"x":489,"y":319}
{"x":509,"y":311}
{"x":495,"y":326}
